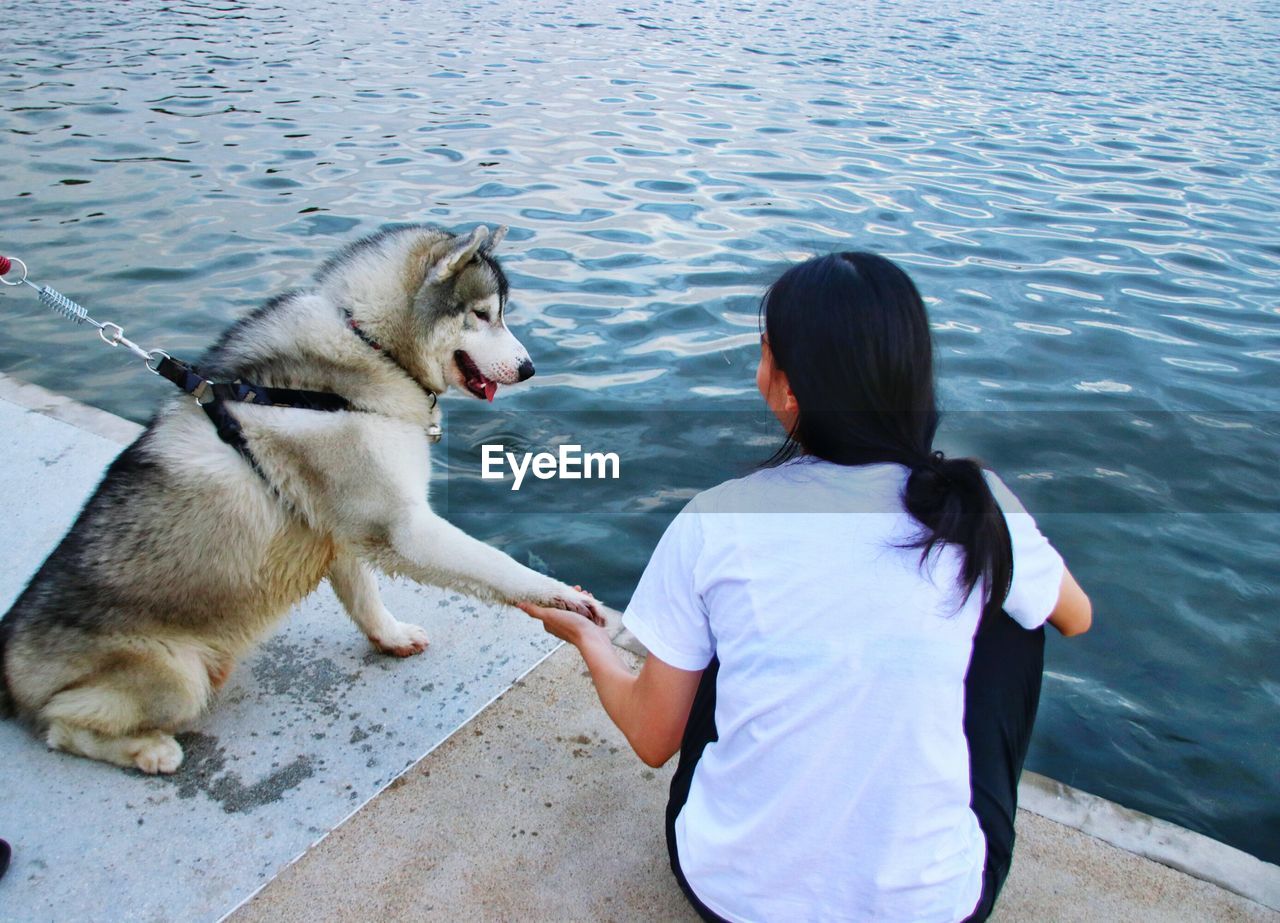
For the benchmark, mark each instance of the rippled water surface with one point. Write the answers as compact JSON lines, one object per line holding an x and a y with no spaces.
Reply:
{"x":1086,"y":194}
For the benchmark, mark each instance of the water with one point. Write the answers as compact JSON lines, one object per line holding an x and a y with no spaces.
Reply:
{"x":1086,"y":196}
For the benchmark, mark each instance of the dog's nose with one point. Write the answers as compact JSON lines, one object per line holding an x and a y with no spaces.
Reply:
{"x":525,"y":371}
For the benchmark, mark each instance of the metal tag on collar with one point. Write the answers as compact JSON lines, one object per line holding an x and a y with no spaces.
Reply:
{"x":434,"y":432}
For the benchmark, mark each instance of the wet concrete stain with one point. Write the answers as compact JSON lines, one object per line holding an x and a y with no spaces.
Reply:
{"x":282,"y":670}
{"x":238,"y":798}
{"x":202,"y":772}
{"x":50,"y":461}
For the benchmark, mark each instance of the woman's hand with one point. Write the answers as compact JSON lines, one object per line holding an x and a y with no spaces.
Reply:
{"x":574,"y":627}
{"x":652,"y":708}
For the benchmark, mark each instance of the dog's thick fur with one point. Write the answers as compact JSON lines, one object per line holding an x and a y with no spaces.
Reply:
{"x":185,"y":555}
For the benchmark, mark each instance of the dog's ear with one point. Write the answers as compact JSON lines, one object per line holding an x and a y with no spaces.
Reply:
{"x":494,"y":239}
{"x":459,"y":256}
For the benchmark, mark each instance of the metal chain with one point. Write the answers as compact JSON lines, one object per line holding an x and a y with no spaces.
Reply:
{"x":109,"y":333}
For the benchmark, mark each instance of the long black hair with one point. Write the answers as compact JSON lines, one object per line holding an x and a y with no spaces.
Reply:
{"x":852,"y":335}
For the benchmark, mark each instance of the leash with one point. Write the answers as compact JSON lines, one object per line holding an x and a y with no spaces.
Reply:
{"x":211,"y":396}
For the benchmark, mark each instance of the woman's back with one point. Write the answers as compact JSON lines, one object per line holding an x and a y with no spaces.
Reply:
{"x":839,"y":785}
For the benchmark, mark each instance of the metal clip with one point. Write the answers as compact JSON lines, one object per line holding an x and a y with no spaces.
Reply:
{"x":154,"y":358}
{"x":434,"y":432}
{"x":116,"y":336}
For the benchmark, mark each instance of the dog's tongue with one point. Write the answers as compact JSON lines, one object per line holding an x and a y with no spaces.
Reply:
{"x":490,"y":389}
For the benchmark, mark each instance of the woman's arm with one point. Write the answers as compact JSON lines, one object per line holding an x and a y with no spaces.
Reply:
{"x":651,"y":708}
{"x":1074,"y":613}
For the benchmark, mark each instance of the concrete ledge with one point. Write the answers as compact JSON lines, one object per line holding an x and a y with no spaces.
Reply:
{"x":310,"y":725}
{"x":81,"y":416}
{"x":1152,"y":838}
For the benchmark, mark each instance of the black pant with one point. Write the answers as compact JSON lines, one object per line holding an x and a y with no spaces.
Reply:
{"x":1002,"y":693}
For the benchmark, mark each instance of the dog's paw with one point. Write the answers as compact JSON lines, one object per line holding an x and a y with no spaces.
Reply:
{"x":403,"y":640}
{"x":159,"y":755}
{"x":579,"y":601}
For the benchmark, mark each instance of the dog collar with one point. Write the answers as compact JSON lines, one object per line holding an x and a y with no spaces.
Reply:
{"x":355,"y":328}
{"x":434,"y":430}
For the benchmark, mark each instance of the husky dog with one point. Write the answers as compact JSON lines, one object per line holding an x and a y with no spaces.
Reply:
{"x":190,"y":550}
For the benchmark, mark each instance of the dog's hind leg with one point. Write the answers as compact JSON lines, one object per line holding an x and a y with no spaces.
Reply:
{"x":124,"y":711}
{"x":152,"y":752}
{"x":356,"y":586}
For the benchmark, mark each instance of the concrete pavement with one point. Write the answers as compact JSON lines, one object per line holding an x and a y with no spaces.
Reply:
{"x":538,"y":810}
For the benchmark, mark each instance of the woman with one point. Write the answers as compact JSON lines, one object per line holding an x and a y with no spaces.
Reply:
{"x":846,"y":645}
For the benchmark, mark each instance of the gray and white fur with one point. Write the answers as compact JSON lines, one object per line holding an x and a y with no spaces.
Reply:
{"x":185,"y":556}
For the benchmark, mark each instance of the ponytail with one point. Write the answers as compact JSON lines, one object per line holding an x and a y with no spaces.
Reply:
{"x":951,"y":499}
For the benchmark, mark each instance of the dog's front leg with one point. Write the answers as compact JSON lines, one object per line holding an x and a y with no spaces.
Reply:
{"x":355,"y":585}
{"x":429,"y":549}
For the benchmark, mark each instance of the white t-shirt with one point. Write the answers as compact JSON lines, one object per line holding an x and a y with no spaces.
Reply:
{"x":839,"y":786}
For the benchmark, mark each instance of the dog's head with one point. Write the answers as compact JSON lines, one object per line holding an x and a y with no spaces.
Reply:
{"x":437,"y":301}
{"x":461,"y":309}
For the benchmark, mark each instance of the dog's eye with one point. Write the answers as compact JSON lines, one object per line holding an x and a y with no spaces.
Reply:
{"x":482,"y":314}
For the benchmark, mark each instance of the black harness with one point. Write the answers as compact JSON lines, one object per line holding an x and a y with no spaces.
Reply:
{"x":213,"y":396}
